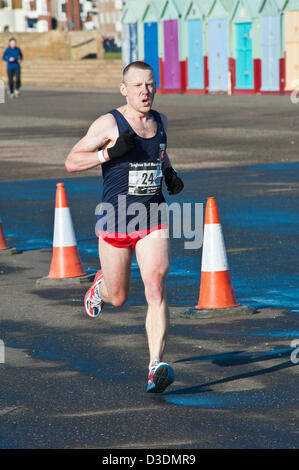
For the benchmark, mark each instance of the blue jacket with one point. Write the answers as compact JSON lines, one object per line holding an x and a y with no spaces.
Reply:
{"x":16,"y":53}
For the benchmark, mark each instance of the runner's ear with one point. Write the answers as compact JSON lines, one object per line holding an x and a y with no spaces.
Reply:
{"x":123,"y":89}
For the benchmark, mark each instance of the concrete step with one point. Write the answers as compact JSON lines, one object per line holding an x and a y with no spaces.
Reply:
{"x":71,"y":70}
{"x":92,"y":81}
{"x":72,"y":66}
{"x":78,"y":77}
{"x":76,"y":63}
{"x":69,"y":73}
{"x":98,"y":73}
{"x":83,"y":80}
{"x":43,"y":70}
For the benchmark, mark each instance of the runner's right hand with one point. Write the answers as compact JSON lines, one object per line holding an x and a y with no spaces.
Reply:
{"x":123,"y":145}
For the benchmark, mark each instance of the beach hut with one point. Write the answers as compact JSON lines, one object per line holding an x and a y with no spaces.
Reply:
{"x":194,"y":32}
{"x":205,"y":7}
{"x":218,"y":25}
{"x":271,"y":47}
{"x":131,"y":30}
{"x":247,"y":47}
{"x":291,"y":27}
{"x":170,"y":72}
{"x":152,"y":36}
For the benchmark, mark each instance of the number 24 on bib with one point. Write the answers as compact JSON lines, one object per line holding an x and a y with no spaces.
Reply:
{"x":145,"y":178}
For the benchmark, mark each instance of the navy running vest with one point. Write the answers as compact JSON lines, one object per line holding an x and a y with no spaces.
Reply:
{"x":132,"y":183}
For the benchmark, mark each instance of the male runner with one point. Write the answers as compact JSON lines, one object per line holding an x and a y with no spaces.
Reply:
{"x":130,"y":144}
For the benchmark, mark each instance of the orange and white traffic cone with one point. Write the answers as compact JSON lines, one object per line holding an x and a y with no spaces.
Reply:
{"x":3,"y":244}
{"x":65,"y":260}
{"x":65,"y":266}
{"x":4,"y":248}
{"x":216,"y":289}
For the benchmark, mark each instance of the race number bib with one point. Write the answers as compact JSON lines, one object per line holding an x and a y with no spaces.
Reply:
{"x":145,"y":178}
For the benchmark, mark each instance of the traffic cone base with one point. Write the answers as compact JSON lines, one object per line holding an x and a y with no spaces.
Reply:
{"x":65,"y":263}
{"x":216,"y":291}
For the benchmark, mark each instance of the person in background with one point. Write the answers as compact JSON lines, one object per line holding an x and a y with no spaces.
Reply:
{"x":13,"y":56}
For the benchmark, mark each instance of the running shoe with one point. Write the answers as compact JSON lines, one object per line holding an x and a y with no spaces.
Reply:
{"x":92,"y":301}
{"x":160,"y":376}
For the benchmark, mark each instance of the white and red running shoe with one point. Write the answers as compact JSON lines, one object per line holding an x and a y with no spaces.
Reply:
{"x":92,"y":301}
{"x":160,"y":376}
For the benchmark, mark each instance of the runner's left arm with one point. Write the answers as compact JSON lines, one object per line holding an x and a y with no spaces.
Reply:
{"x":173,"y":182}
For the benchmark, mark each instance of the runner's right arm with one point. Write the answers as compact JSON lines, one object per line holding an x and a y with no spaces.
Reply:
{"x":102,"y":135}
{"x":84,"y":154}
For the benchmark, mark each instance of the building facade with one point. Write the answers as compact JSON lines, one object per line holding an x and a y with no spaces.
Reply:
{"x":25,"y":15}
{"x":110,"y":12}
{"x":44,"y":15}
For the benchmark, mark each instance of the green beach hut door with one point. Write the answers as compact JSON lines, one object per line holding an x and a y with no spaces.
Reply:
{"x":244,"y":58}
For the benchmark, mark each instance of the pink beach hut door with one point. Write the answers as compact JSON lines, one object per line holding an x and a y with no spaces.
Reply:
{"x":172,"y":76}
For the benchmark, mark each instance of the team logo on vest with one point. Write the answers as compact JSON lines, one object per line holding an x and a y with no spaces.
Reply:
{"x":162,"y":151}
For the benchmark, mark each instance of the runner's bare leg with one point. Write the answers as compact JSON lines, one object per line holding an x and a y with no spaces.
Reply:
{"x":116,"y":267}
{"x":152,"y":254}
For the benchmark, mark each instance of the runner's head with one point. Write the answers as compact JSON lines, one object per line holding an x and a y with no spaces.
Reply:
{"x":139,"y":86}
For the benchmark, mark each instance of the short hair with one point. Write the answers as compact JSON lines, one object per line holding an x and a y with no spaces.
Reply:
{"x":12,"y":39}
{"x":138,"y":64}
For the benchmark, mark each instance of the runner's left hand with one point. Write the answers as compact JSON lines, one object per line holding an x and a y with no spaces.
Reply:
{"x":174,"y":184}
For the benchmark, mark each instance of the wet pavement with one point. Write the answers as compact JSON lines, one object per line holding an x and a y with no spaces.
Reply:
{"x":69,"y":381}
{"x":66,"y":375}
{"x":260,"y":228}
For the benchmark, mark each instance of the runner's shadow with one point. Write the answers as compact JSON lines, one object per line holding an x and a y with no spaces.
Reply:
{"x":203,"y":387}
{"x":238,"y":358}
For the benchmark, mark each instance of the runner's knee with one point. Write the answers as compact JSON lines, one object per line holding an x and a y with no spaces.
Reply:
{"x":119,"y":299}
{"x":154,"y":289}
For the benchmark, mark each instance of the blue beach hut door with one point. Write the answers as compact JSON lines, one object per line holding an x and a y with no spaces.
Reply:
{"x":125,"y":48}
{"x":270,"y":53}
{"x":151,"y":48}
{"x":133,"y":42}
{"x":244,"y":62}
{"x":218,"y":55}
{"x":195,"y":55}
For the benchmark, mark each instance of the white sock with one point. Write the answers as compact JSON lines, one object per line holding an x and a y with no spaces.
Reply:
{"x":154,"y":362}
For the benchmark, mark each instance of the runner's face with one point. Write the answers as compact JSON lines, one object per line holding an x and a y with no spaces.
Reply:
{"x":140,"y":89}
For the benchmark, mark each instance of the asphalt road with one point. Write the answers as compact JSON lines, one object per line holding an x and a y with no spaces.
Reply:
{"x":38,"y":131}
{"x":71,"y":382}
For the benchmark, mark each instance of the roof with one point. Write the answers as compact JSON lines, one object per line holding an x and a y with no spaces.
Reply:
{"x":134,"y":11}
{"x":223,"y":8}
{"x":246,"y":10}
{"x":154,"y":10}
{"x":193,"y":10}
